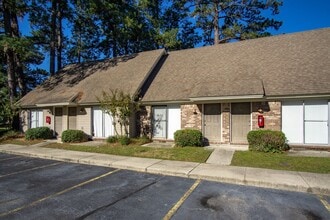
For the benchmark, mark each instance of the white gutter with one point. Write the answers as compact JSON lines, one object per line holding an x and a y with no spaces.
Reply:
{"x":227,"y":98}
{"x":297,"y":96}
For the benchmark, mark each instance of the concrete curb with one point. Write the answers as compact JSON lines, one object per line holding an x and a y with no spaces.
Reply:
{"x":275,"y":179}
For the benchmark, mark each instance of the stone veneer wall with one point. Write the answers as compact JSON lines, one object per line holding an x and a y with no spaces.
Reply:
{"x":271,"y":113}
{"x":191,"y":116}
{"x":143,"y":124}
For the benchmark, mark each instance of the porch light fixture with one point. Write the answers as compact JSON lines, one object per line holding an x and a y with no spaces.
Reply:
{"x":82,"y":110}
{"x":195,"y":112}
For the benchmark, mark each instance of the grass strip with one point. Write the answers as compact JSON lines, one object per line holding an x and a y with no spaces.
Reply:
{"x":191,"y":154}
{"x":281,"y":162}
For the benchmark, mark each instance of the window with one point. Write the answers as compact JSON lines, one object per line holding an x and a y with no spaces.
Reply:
{"x":306,"y":121}
{"x":36,"y":118}
{"x":166,"y":121}
{"x":102,"y":123}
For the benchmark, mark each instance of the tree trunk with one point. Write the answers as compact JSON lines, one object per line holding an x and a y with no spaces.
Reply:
{"x":216,"y":24}
{"x":59,"y":35}
{"x":8,"y":14}
{"x":53,"y":39}
{"x":17,"y":61}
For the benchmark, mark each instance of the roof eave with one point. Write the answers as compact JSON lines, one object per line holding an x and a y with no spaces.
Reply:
{"x":302,"y":96}
{"x":228,"y":98}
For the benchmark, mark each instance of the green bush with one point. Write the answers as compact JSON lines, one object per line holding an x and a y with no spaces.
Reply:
{"x":112,"y":139}
{"x":124,"y":140}
{"x":188,"y":137}
{"x":38,"y":133}
{"x":74,"y":136}
{"x":267,"y":141}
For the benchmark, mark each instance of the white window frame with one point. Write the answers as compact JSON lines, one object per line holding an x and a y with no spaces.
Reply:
{"x":39,"y":118}
{"x":171,"y":126}
{"x":305,"y":118}
{"x":106,"y":119}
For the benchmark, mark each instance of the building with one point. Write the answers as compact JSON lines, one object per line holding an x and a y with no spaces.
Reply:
{"x":220,"y":90}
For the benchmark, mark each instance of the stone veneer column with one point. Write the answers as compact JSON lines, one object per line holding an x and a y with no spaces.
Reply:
{"x":271,"y":113}
{"x":225,"y":130}
{"x":191,"y":116}
{"x":144,"y":123}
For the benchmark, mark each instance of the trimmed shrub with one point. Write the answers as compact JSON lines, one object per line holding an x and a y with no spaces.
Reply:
{"x":124,"y":140}
{"x":74,"y":136}
{"x":38,"y":133}
{"x":112,"y":139}
{"x":267,"y":141}
{"x":188,"y":137}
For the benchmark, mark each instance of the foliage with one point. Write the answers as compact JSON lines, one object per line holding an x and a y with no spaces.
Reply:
{"x":188,"y":137}
{"x":75,"y":136}
{"x":119,"y":106}
{"x":281,"y":162}
{"x":112,"y":139}
{"x":223,"y":21}
{"x":267,"y":141}
{"x":124,"y":140}
{"x":38,"y":133}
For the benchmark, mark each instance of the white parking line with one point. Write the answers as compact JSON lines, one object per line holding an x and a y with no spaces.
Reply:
{"x":34,"y":168}
{"x":58,"y":193}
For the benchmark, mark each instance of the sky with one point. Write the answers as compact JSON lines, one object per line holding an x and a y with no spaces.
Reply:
{"x":296,"y":15}
{"x":303,"y":15}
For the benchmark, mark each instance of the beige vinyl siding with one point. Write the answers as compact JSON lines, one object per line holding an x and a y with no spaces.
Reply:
{"x":84,"y":121}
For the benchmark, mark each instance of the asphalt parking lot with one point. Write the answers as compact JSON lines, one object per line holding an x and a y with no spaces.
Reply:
{"x":32,"y":188}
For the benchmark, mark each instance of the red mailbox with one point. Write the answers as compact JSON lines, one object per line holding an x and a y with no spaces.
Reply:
{"x":48,"y":119}
{"x":261,"y":121}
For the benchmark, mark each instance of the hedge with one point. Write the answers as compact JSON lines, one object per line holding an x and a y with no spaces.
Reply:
{"x":188,"y":137}
{"x":74,"y":136}
{"x":38,"y":133}
{"x":267,"y":141}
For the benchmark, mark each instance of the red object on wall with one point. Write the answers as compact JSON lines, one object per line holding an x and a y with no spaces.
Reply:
{"x":48,"y":119}
{"x":261,"y":121}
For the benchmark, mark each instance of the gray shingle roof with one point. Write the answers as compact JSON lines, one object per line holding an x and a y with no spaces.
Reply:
{"x":82,"y":83}
{"x":283,"y":65}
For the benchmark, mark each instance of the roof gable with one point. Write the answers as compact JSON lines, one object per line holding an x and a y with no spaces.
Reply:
{"x":82,"y":83}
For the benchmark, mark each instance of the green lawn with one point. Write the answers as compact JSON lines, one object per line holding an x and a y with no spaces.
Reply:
{"x":192,"y":154}
{"x":281,"y":162}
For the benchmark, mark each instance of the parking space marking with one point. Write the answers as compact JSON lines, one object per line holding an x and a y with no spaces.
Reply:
{"x":10,"y":158}
{"x":34,"y":168}
{"x":58,"y":193}
{"x":324,"y":202}
{"x":181,"y":200}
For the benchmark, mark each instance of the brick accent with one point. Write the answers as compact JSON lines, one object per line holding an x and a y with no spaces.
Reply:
{"x":271,"y":112}
{"x":191,"y":116}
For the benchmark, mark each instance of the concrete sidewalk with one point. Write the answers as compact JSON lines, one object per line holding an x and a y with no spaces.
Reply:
{"x":286,"y":180}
